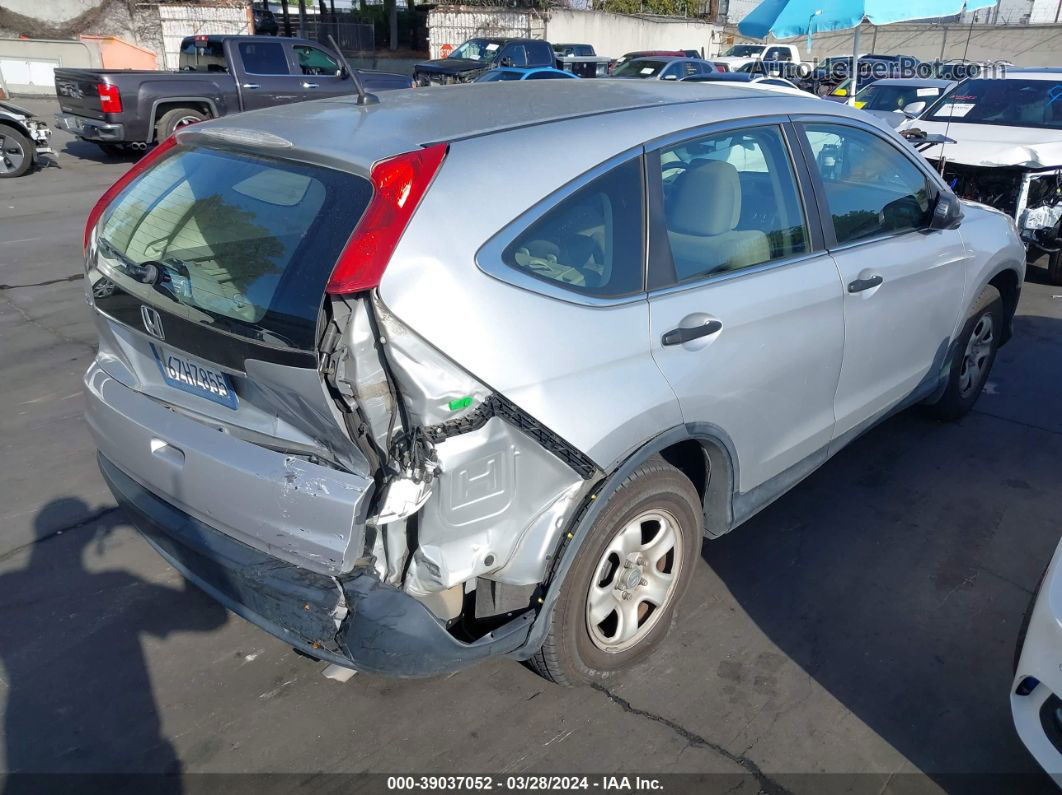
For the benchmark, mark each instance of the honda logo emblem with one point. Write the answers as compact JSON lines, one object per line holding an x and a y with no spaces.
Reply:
{"x":152,"y":322}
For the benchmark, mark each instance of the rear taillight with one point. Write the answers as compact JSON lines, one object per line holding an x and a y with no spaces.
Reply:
{"x":138,"y":168}
{"x":110,"y":98}
{"x":399,"y":184}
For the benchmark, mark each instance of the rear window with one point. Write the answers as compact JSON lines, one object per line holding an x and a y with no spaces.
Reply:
{"x":240,"y":243}
{"x":200,"y":55}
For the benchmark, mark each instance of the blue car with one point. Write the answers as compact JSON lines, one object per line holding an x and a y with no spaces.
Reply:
{"x":511,"y":73}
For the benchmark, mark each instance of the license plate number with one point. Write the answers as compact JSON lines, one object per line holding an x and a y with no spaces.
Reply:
{"x":192,"y":376}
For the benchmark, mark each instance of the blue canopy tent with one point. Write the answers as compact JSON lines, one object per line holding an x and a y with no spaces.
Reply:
{"x":785,"y":19}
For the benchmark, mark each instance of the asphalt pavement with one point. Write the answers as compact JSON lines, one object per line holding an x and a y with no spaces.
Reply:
{"x":863,"y":625}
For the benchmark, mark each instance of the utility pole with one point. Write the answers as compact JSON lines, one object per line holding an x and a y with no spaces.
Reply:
{"x":302,"y":17}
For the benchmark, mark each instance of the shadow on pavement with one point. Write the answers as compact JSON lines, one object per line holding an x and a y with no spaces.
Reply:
{"x":897,"y":576}
{"x":80,"y":697}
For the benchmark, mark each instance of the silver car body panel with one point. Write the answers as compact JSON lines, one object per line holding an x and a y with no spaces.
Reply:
{"x":303,"y":513}
{"x":780,"y":346}
{"x":495,"y":486}
{"x":342,"y":134}
{"x":896,"y":335}
{"x":288,"y":407}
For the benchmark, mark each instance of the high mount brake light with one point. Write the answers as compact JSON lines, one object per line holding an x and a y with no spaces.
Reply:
{"x":138,"y":168}
{"x":399,"y":183}
{"x":110,"y":98}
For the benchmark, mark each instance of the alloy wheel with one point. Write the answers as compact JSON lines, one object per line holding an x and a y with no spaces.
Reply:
{"x":975,"y":360}
{"x":12,"y":154}
{"x":634,"y":581}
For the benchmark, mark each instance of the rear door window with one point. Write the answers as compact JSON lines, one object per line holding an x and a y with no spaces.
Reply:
{"x":591,"y":242}
{"x":236,"y":242}
{"x":263,"y":58}
{"x":730,"y":202}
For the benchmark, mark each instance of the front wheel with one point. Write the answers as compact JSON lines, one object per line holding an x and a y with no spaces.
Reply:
{"x":620,"y":596}
{"x":973,"y":357}
{"x":16,"y":152}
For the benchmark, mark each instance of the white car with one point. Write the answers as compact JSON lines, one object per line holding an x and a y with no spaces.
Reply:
{"x":1034,"y":693}
{"x":1006,"y":151}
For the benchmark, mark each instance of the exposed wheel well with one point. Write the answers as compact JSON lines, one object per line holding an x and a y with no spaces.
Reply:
{"x":1007,"y":284}
{"x":707,"y":464}
{"x":15,"y":127}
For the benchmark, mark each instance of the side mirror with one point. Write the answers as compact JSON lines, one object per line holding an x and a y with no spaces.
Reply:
{"x":912,"y":109}
{"x":947,"y":212}
{"x":506,"y":61}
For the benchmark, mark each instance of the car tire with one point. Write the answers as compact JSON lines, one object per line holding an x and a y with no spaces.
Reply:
{"x":973,"y":357}
{"x":172,"y":120}
{"x":644,"y":543}
{"x":1054,"y":267}
{"x":16,"y":153}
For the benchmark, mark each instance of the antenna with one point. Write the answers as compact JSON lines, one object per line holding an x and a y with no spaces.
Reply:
{"x":364,"y":98}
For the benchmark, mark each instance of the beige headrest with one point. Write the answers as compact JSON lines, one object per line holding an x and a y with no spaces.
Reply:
{"x":706,"y":201}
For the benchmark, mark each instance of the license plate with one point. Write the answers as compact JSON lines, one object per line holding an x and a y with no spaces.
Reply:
{"x":192,"y":376}
{"x":73,"y":123}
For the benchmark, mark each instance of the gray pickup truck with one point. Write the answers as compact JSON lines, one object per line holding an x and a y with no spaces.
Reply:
{"x":217,"y":75}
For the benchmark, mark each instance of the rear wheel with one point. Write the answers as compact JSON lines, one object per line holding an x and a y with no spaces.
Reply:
{"x":620,"y":596}
{"x":16,"y":153}
{"x":973,"y":357}
{"x":174,"y":119}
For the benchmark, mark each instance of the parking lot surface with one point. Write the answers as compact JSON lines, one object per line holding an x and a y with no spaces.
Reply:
{"x":864,"y":624}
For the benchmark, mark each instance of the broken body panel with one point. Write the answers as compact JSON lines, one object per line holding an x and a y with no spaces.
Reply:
{"x":365,"y":464}
{"x":1002,"y":167}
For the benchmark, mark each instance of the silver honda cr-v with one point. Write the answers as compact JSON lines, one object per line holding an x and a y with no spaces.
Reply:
{"x":471,"y":372}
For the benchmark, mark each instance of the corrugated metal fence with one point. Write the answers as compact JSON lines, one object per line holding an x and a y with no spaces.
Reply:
{"x":186,"y":20}
{"x":449,"y":26}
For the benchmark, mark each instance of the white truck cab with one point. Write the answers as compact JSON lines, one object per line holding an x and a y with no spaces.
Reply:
{"x":741,"y":55}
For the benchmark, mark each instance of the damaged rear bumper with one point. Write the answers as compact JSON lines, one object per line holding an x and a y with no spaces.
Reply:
{"x":353,"y":620}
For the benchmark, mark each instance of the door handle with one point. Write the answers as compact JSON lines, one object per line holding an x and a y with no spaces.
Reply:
{"x":859,"y":285}
{"x":677,"y":336}
{"x":248,"y":85}
{"x":309,"y":85}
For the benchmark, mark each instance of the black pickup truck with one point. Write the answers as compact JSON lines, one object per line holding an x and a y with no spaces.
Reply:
{"x":217,"y":75}
{"x":476,"y":56}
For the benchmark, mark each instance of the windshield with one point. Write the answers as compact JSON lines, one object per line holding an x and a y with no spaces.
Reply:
{"x":642,"y":68}
{"x":743,"y":50}
{"x":240,"y":243}
{"x":879,"y":97}
{"x":477,"y":50}
{"x":1013,"y":103}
